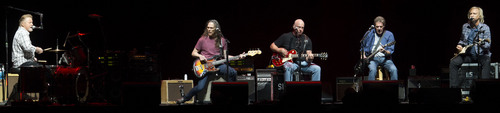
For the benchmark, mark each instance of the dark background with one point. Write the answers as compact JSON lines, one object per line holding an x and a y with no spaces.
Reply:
{"x":426,"y":31}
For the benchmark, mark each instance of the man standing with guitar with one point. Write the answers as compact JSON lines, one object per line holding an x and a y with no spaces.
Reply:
{"x":475,"y":42}
{"x":210,"y":45}
{"x":377,"y":49}
{"x":302,"y":44}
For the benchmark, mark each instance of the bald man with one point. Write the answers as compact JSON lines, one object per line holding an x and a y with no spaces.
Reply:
{"x":297,"y":40}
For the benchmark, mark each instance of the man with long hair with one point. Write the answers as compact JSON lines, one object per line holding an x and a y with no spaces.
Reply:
{"x":211,"y":45}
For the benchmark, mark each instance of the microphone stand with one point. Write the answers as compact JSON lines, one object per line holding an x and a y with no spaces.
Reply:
{"x":227,"y":59}
{"x":300,"y":57}
{"x":477,"y":44}
{"x":356,"y":85}
{"x":226,"y":54}
{"x":6,"y":71}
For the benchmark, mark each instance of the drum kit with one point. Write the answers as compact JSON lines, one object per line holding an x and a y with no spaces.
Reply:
{"x":67,"y":82}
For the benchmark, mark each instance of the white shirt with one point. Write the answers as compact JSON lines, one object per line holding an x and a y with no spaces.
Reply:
{"x":379,"y":54}
{"x":22,"y":50}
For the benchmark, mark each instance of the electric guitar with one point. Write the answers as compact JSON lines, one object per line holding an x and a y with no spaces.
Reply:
{"x":278,"y":60}
{"x":374,"y":53}
{"x":464,"y":49}
{"x":361,"y":64}
{"x":201,"y":68}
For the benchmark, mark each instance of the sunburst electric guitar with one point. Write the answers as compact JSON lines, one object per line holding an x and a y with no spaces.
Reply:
{"x":201,"y":68}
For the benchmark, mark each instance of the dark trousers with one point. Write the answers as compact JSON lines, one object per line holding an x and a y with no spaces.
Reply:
{"x":202,"y":83}
{"x":483,"y":64}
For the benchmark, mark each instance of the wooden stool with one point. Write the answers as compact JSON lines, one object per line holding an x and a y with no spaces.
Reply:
{"x":380,"y":74}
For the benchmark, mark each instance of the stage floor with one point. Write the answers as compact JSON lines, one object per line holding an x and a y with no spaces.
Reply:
{"x":278,"y":108}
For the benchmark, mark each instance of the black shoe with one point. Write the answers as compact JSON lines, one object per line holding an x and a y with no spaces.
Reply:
{"x":180,"y":101}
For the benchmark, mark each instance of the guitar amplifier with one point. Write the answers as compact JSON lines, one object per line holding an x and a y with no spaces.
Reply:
{"x":251,"y":86}
{"x":270,"y":85}
{"x":345,"y":84}
{"x":471,"y":71}
{"x":171,"y":90}
{"x":242,"y":66}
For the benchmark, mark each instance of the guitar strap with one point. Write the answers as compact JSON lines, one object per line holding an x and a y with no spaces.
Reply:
{"x":378,"y":43}
{"x":221,"y":49}
{"x":306,"y":40}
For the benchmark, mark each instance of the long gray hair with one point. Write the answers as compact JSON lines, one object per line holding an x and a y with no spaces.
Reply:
{"x":217,"y":34}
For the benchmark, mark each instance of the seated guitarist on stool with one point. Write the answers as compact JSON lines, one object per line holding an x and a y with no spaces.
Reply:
{"x":477,"y":34}
{"x":209,"y":45}
{"x":295,"y":40}
{"x":372,"y":44}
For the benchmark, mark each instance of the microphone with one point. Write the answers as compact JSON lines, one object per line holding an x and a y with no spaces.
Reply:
{"x":296,"y":29}
{"x":371,"y":27}
{"x":35,"y":27}
{"x":471,"y":19}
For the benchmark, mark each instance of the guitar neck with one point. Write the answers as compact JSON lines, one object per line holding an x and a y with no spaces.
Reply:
{"x":305,"y":55}
{"x":383,"y":46}
{"x":224,"y":60}
{"x":373,"y":54}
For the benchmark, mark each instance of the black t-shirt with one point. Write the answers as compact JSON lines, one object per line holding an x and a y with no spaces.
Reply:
{"x":290,"y":41}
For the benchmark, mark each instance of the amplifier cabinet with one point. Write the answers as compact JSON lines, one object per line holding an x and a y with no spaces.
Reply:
{"x":270,"y":85}
{"x":171,"y":90}
{"x":343,"y":84}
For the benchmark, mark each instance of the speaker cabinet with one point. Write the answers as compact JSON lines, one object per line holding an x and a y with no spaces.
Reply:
{"x":171,"y":90}
{"x":434,"y":95}
{"x":251,"y":86}
{"x":12,"y":79}
{"x":380,"y":92}
{"x":229,"y":93}
{"x":305,"y":93}
{"x":270,"y":85}
{"x":344,"y":84}
{"x":424,"y":82}
{"x":486,"y":91}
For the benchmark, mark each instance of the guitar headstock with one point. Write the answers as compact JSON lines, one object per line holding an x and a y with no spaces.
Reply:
{"x":323,"y":55}
{"x":254,"y":52}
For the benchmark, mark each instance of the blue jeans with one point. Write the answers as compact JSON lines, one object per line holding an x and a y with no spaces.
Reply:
{"x":203,"y":81}
{"x":291,"y":67}
{"x":387,"y":64}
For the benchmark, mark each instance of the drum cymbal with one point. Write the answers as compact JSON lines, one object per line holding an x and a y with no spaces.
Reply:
{"x":56,"y":50}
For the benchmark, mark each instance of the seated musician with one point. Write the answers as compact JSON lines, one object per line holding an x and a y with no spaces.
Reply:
{"x":210,"y":44}
{"x":23,"y":52}
{"x":374,"y":46}
{"x":298,"y":41}
{"x":476,"y":34}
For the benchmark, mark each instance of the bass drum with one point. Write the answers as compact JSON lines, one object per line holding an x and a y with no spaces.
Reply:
{"x":71,"y":85}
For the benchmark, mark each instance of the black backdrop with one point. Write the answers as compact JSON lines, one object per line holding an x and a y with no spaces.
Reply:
{"x":426,"y":31}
